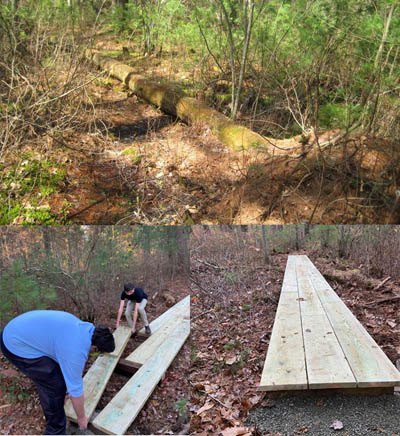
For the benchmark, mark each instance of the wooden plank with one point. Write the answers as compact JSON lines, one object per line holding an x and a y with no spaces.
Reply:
{"x":283,"y":368}
{"x":118,"y":415}
{"x":125,"y":366}
{"x":326,"y":363}
{"x":148,"y":347}
{"x":290,"y":278}
{"x":370,"y":365}
{"x":166,"y":316}
{"x":99,"y":373}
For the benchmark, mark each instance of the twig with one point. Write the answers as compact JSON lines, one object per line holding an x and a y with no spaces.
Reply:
{"x":385,"y":300}
{"x":201,"y":314}
{"x":209,"y":264}
{"x":381,"y":283}
{"x":199,"y":286}
{"x":72,"y":215}
{"x":213,"y":398}
{"x":67,"y":92}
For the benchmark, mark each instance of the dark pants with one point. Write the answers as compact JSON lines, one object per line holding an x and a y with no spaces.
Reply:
{"x":49,"y":381}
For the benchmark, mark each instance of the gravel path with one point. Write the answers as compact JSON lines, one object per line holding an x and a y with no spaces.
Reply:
{"x":313,"y":416}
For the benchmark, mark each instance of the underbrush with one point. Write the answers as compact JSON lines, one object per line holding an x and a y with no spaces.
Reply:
{"x":43,"y":75}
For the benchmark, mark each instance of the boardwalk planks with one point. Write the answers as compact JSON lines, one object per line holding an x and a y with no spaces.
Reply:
{"x":283,"y":369}
{"x":167,"y":316}
{"x":338,"y":351}
{"x":175,"y":315}
{"x":118,"y":415}
{"x":99,"y":373}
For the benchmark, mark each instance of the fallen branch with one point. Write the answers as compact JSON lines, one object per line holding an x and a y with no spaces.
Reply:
{"x":384,"y":300}
{"x":199,"y":286}
{"x":74,"y":214}
{"x":381,"y":283}
{"x":213,"y":398}
{"x":201,"y":314}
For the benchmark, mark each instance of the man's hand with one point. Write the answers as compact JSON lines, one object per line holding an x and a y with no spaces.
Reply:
{"x":117,"y":325}
{"x":83,"y":423}
{"x":134,"y":333}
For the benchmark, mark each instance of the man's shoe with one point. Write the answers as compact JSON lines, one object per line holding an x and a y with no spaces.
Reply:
{"x":147,"y":330}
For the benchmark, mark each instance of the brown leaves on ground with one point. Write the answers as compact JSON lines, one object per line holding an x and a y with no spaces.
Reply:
{"x":233,"y":308}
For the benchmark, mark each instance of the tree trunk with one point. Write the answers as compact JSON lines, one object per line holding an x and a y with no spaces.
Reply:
{"x":174,"y":101}
{"x":265,"y":244}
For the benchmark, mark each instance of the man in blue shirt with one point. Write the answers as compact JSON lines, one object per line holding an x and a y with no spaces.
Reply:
{"x":51,"y":347}
{"x":137,"y":300}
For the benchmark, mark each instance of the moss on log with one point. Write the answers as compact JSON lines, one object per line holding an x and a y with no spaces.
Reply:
{"x":174,"y":101}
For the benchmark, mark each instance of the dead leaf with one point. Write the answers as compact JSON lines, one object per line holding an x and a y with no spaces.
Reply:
{"x":268,"y":403}
{"x":236,"y":431}
{"x":231,"y":360}
{"x":255,"y":400}
{"x":391,"y":323}
{"x":206,"y":406}
{"x":10,"y":373}
{"x":337,"y":425}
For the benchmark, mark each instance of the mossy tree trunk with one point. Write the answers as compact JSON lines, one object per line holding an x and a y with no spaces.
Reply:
{"x":174,"y":101}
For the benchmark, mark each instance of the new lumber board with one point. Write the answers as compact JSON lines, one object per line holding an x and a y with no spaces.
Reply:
{"x":284,"y":369}
{"x":166,"y":316}
{"x":326,"y":363}
{"x":118,"y":415}
{"x":99,"y":373}
{"x":370,"y":365}
{"x":145,"y":350}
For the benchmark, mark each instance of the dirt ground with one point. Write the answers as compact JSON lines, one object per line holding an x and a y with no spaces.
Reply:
{"x":233,"y":310}
{"x":21,"y":413}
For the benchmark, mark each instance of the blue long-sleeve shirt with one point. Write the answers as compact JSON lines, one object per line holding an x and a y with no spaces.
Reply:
{"x":59,"y":335}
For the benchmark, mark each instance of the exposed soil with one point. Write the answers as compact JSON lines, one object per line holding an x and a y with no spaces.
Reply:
{"x":233,"y":310}
{"x":21,"y":413}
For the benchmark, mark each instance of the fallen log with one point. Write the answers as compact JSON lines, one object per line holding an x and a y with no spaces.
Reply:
{"x":175,"y":102}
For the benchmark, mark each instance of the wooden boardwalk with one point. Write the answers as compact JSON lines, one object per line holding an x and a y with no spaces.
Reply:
{"x":317,"y":343}
{"x":155,"y":356}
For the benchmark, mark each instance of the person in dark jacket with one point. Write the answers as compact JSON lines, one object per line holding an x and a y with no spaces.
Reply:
{"x":51,"y":347}
{"x":137,"y":301}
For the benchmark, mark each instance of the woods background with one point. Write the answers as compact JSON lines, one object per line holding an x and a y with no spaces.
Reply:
{"x":83,"y":269}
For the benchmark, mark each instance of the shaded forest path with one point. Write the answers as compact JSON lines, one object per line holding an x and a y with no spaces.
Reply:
{"x":144,"y":166}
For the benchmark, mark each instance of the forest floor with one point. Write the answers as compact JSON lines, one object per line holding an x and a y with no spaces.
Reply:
{"x":233,"y":310}
{"x":129,"y":163}
{"x":165,"y":412}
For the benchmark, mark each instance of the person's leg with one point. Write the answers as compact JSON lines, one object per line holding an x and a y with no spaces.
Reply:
{"x":51,"y":386}
{"x":49,"y":381}
{"x":142,"y":312}
{"x":128,"y":312}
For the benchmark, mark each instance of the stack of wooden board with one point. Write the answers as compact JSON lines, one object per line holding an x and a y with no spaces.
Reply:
{"x":154,"y":356}
{"x":316,"y":341}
